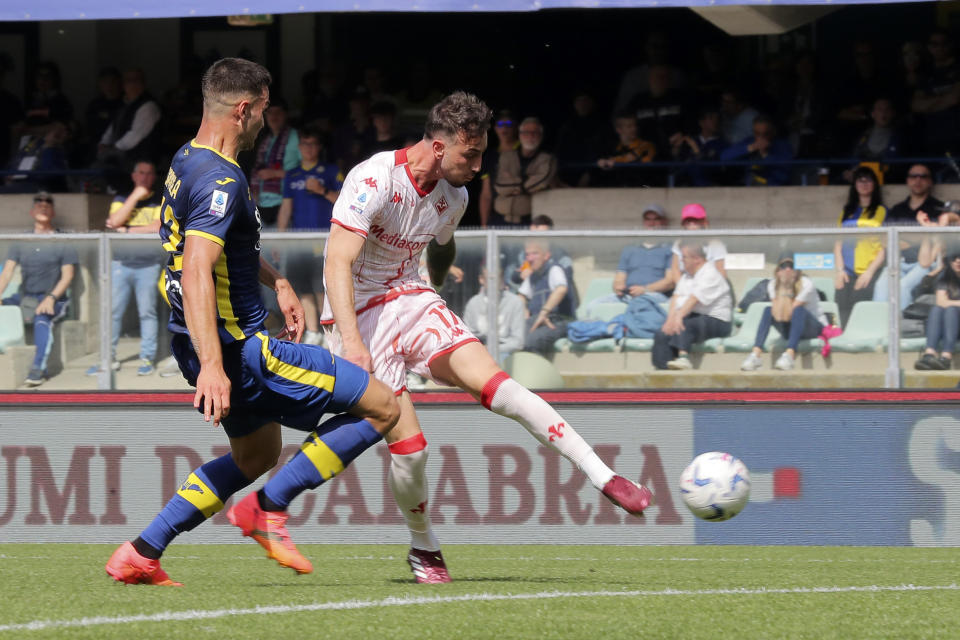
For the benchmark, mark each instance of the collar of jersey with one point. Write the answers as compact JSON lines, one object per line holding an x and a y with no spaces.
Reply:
{"x":197,"y":145}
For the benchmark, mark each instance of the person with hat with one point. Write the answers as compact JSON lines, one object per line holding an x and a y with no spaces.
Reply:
{"x":693,"y":217}
{"x":46,"y":272}
{"x":794,"y":311}
{"x":644,"y":269}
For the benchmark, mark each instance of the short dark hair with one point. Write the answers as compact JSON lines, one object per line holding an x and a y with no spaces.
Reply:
{"x":383,"y":108}
{"x":310,"y":131}
{"x":459,"y":112}
{"x":229,"y":77}
{"x":542,"y":220}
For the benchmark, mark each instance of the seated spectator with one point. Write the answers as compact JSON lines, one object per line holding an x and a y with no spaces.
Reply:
{"x":579,"y":139}
{"x":505,"y":128}
{"x":42,"y":151}
{"x":630,"y":148}
{"x":103,"y":108}
{"x":737,"y":116}
{"x":134,"y":133}
{"x":309,"y":192}
{"x":520,"y":174}
{"x":546,"y":294}
{"x":858,"y":262}
{"x":644,"y":269}
{"x":511,"y":329}
{"x":794,"y":311}
{"x":514,"y":259}
{"x":943,"y":323}
{"x":277,"y":153}
{"x":663,"y":111}
{"x":693,"y":217}
{"x":705,"y":146}
{"x":701,"y":308}
{"x":916,"y":258}
{"x":767,"y":150}
{"x":881,"y":142}
{"x":46,"y":272}
{"x":135,"y":269}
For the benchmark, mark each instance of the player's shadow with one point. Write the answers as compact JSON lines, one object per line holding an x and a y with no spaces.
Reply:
{"x":507,"y":579}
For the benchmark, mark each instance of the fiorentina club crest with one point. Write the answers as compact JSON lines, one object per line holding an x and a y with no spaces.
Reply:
{"x":441,"y":205}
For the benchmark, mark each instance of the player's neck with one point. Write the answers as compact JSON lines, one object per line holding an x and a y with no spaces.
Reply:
{"x":424,"y":167}
{"x":221,"y":139}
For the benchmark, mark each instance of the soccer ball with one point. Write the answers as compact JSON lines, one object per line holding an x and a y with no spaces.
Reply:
{"x":715,"y":486}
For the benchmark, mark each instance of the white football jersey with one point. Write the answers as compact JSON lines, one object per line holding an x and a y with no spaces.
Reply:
{"x":380,"y":201}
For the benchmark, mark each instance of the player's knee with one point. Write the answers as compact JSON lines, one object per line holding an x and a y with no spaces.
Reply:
{"x":255,"y":463}
{"x":389,"y":414}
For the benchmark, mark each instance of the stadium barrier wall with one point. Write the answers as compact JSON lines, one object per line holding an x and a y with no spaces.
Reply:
{"x":828,"y":468}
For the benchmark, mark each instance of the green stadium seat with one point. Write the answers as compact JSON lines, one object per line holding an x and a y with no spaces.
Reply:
{"x":11,"y":327}
{"x":597,"y":288}
{"x":742,"y":342}
{"x":605,"y":311}
{"x":638,"y":344}
{"x":827,"y":286}
{"x":601,"y":345}
{"x":918,"y":344}
{"x":533,"y":371}
{"x":866,"y":329}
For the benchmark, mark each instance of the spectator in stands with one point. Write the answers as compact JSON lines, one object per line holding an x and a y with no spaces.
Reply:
{"x":663,"y":111}
{"x":11,"y":111}
{"x":767,"y":151}
{"x":47,"y":103}
{"x":857,"y":91}
{"x":636,"y":80}
{"x":309,"y":192}
{"x":579,"y":139}
{"x":135,"y":269}
{"x":40,"y":151}
{"x":937,"y":100}
{"x":383,"y":114}
{"x":693,"y":217}
{"x":631,"y":148}
{"x":882,"y":141}
{"x":546,"y":293}
{"x":644,"y":269}
{"x":917,"y":258}
{"x":520,"y":174}
{"x":705,"y":146}
{"x":511,"y":327}
{"x":351,"y":138}
{"x":701,"y":308}
{"x":806,"y":113}
{"x":277,"y":153}
{"x":858,"y":262}
{"x":46,"y":272}
{"x":738,"y":116}
{"x":103,"y":108}
{"x":505,"y":127}
{"x":135,"y":131}
{"x":514,"y":258}
{"x":911,"y":76}
{"x":794,"y":311}
{"x":943,"y":323}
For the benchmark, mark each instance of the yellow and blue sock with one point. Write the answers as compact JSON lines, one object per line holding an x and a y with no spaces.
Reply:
{"x":200,"y":496}
{"x":325,"y":453}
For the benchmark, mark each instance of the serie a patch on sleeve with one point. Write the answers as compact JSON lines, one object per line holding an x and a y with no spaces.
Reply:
{"x":218,"y":203}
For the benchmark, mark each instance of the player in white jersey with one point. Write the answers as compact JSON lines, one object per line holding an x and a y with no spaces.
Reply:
{"x":388,"y":320}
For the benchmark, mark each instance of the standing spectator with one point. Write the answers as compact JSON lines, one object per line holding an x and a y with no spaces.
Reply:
{"x":858,"y":262}
{"x":705,"y":146}
{"x":701,"y":308}
{"x":579,"y":138}
{"x":134,"y":133}
{"x":505,"y":126}
{"x":135,"y":270}
{"x":46,"y":272}
{"x":631,"y":148}
{"x":882,"y":141}
{"x":806,"y":113}
{"x":11,"y":111}
{"x":857,"y":91}
{"x":356,"y":134}
{"x":916,"y":258}
{"x":309,"y":192}
{"x":546,"y":293}
{"x":794,"y":311}
{"x":520,"y":174}
{"x":662,"y":112}
{"x":383,"y":114}
{"x":277,"y":153}
{"x":47,"y":103}
{"x":767,"y":150}
{"x":693,"y":217}
{"x":636,"y":80}
{"x":943,"y":323}
{"x":511,"y":329}
{"x":103,"y":108}
{"x":938,"y":96}
{"x":738,"y":116}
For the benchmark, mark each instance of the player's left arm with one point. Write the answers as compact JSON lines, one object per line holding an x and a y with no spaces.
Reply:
{"x":287,"y":300}
{"x":439,"y":259}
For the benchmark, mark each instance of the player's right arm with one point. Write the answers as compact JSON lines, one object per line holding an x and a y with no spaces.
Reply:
{"x":343,"y":248}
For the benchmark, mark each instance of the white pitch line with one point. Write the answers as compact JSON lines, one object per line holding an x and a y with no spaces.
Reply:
{"x":194,"y":614}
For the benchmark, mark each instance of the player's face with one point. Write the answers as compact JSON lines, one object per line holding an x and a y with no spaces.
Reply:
{"x":252,"y":120}
{"x":461,"y":159}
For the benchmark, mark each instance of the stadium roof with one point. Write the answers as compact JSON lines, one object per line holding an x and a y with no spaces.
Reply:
{"x":24,"y":10}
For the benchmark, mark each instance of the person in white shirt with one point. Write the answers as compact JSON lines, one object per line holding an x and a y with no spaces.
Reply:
{"x":510,"y":322}
{"x":693,"y":217}
{"x":794,"y":311}
{"x":701,"y":308}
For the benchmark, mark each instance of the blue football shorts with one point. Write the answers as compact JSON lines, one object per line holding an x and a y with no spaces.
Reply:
{"x":278,"y":381}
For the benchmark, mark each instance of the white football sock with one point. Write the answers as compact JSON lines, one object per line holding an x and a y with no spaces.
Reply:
{"x":505,"y":396}
{"x":408,"y":481}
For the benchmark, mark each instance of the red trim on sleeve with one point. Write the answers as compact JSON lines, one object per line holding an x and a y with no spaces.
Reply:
{"x":490,"y":389}
{"x":348,"y":227}
{"x":409,"y":445}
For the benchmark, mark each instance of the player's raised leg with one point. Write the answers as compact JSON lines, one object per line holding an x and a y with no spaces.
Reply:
{"x":471,"y":368}
{"x":325,"y":453}
{"x":408,"y":482}
{"x":198,"y":498}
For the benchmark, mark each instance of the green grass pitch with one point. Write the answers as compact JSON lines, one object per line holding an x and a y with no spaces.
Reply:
{"x":501,"y":592}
